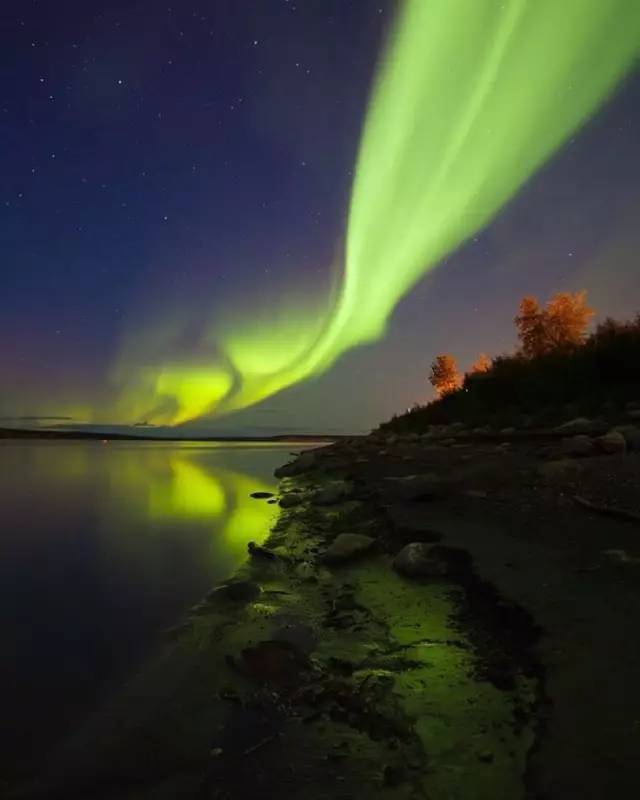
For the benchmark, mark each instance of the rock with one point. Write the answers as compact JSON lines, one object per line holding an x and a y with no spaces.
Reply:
{"x":579,"y":446}
{"x":290,"y":500}
{"x":426,"y":487}
{"x":303,"y":463}
{"x":632,"y":405}
{"x":631,"y":436}
{"x":577,"y":425}
{"x":347,"y":546}
{"x":507,"y":431}
{"x":419,"y":560}
{"x":256,"y":551}
{"x":486,"y":756}
{"x":634,"y":413}
{"x":238,"y":591}
{"x":455,"y":427}
{"x":332,"y":493}
{"x":261,"y":495}
{"x":612,"y":442}
{"x":621,"y":557}
{"x":558,"y":469}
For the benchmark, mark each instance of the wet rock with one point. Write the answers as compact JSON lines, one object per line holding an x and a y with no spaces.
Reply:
{"x":579,"y":446}
{"x":486,"y":756}
{"x":476,"y":494}
{"x":332,"y":493}
{"x":347,"y":546}
{"x":612,"y":442}
{"x":303,"y":463}
{"x":507,"y":431}
{"x":419,"y":560}
{"x":576,"y":425}
{"x":290,"y":500}
{"x":261,"y":495}
{"x":256,"y":551}
{"x":235,"y":591}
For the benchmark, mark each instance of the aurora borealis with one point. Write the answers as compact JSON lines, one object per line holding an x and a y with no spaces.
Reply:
{"x":469,"y":99}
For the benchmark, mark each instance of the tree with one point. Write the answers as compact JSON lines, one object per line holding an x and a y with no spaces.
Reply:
{"x":444,"y":375}
{"x":566,"y":318}
{"x":562,"y":323}
{"x":530,"y":325}
{"x":482,"y":364}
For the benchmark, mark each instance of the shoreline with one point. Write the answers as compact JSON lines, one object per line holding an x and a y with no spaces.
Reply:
{"x":27,"y":433}
{"x":337,"y":677}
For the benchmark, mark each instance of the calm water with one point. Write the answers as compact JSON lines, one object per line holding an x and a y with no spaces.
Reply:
{"x":101,"y":548}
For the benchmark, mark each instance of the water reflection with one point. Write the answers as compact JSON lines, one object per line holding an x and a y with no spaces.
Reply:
{"x":102,"y":547}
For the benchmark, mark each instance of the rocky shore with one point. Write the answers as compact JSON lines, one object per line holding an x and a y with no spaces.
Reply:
{"x":449,"y":615}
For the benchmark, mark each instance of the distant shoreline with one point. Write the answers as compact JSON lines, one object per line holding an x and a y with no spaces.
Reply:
{"x":25,"y":433}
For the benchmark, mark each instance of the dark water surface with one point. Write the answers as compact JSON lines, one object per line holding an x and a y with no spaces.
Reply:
{"x":102,"y":546}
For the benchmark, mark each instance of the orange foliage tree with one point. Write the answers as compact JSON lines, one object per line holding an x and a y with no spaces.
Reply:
{"x":444,"y":376}
{"x":562,"y":323}
{"x":482,"y":364}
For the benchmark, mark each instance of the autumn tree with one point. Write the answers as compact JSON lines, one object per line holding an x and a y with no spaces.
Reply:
{"x":530,"y":325}
{"x":444,"y":376}
{"x":482,"y":364}
{"x":563,"y":322}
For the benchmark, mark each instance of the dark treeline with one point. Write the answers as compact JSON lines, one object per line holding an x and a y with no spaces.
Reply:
{"x":551,"y":378}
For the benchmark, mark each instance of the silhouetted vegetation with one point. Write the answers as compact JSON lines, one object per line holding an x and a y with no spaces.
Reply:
{"x":558,"y":373}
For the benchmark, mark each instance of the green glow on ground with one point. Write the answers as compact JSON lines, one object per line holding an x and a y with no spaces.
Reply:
{"x":470,"y":99}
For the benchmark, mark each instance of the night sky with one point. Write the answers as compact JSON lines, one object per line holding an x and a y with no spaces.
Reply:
{"x":158,"y":156}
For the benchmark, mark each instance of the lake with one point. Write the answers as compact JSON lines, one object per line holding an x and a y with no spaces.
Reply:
{"x":102,"y":547}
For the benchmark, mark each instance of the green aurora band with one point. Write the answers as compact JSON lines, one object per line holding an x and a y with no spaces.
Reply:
{"x":470,"y":99}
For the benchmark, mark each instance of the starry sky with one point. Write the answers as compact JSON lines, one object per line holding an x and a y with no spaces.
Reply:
{"x":159,"y":156}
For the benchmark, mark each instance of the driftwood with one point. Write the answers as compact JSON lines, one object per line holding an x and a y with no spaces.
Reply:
{"x":607,"y":511}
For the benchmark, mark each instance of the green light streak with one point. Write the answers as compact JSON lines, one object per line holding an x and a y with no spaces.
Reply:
{"x":470,"y":99}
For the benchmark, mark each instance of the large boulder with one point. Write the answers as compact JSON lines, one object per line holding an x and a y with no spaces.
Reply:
{"x":612,"y":442}
{"x":420,"y":560}
{"x":631,"y":436}
{"x":303,"y":463}
{"x":290,"y":500}
{"x":577,"y":425}
{"x":579,"y":446}
{"x":347,"y":546}
{"x":332,"y":493}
